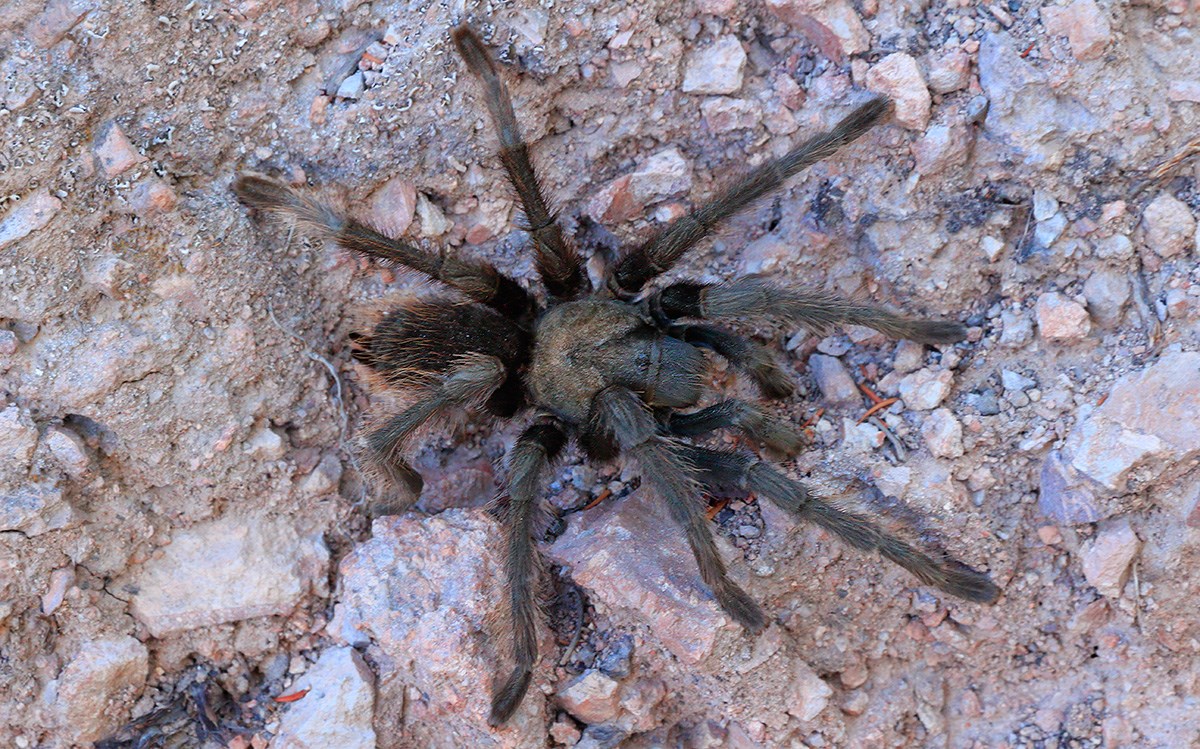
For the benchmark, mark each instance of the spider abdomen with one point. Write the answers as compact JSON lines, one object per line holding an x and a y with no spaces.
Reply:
{"x":581,"y":348}
{"x":414,"y":344}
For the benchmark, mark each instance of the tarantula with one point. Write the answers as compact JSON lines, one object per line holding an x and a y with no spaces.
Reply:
{"x":615,"y":368}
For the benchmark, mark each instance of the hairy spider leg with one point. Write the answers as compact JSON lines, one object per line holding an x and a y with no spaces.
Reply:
{"x":640,"y":265}
{"x":664,"y":465}
{"x":726,"y":469}
{"x":557,"y":262}
{"x":534,"y":451}
{"x":478,"y":280}
{"x":744,"y":355}
{"x":735,"y":414}
{"x":755,"y":299}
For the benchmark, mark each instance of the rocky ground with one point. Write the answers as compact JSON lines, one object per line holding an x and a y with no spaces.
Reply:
{"x":186,"y":552}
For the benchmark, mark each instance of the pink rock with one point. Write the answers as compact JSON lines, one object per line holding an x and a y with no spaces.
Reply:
{"x":723,"y":114}
{"x":715,"y":69}
{"x":715,"y":7}
{"x":942,"y":147}
{"x":614,"y":202}
{"x":631,"y":555}
{"x":663,"y":174}
{"x":98,"y":686}
{"x":809,"y":692}
{"x":152,"y":196}
{"x":949,"y":71}
{"x":1061,"y":319}
{"x":593,"y":697}
{"x":1084,"y":24}
{"x":1169,"y":225}
{"x":57,"y":20}
{"x":27,"y":216}
{"x":393,"y":205}
{"x":1107,"y":557}
{"x":899,"y":77}
{"x":925,"y":389}
{"x":114,"y":153}
{"x":833,"y":25}
{"x":68,"y":450}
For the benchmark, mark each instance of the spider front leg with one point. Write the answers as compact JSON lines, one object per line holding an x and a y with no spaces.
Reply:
{"x":747,"y":473}
{"x":534,"y":451}
{"x":756,"y":299}
{"x":557,"y":262}
{"x":478,"y":280}
{"x":742,"y":354}
{"x":658,"y":255}
{"x":620,"y":414}
{"x":735,"y":414}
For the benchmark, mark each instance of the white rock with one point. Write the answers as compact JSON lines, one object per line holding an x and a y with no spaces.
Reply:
{"x":393,"y":205}
{"x":910,"y":355}
{"x":716,"y":69}
{"x":834,"y":380}
{"x":899,"y":77}
{"x":664,"y":174}
{"x":338,"y":709}
{"x":1016,"y":329}
{"x":1107,"y":557}
{"x":18,"y":439}
{"x":925,"y":389}
{"x":35,"y":507}
{"x":27,"y":216}
{"x":1147,"y":427}
{"x":860,"y":438}
{"x":98,"y":686}
{"x":943,"y":434}
{"x":1061,"y":319}
{"x":266,"y":444}
{"x":1107,"y":293}
{"x":227,"y":570}
{"x":433,"y":221}
{"x":1169,"y":225}
{"x":68,"y":450}
{"x":352,"y":87}
{"x":991,"y":247}
{"x":941,"y":147}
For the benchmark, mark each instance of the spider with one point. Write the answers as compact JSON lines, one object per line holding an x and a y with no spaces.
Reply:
{"x":619,"y":369}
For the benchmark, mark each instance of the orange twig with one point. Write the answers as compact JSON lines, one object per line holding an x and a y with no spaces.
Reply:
{"x":293,"y":696}
{"x":869,"y":393}
{"x":604,"y":494}
{"x":879,"y":406}
{"x":712,"y":511}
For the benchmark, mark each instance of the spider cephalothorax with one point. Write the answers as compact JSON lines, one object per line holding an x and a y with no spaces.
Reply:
{"x":618,"y":369}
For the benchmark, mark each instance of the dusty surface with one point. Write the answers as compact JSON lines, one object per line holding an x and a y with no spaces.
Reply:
{"x":181,"y":519}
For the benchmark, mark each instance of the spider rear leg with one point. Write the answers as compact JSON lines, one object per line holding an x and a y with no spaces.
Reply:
{"x":940,"y":570}
{"x":751,"y":421}
{"x":478,"y":280}
{"x":755,"y":299}
{"x":533,"y":452}
{"x":557,"y":262}
{"x":621,"y":413}
{"x":472,"y":380}
{"x":642,"y":264}
{"x":744,"y":355}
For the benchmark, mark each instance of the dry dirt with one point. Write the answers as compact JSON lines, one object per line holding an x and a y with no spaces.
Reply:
{"x":182,"y":514}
